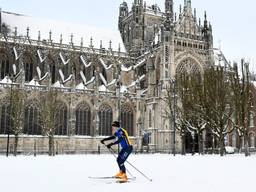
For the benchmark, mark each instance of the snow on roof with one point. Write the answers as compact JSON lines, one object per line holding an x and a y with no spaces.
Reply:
{"x":103,"y":88}
{"x":81,"y":87}
{"x":123,"y":89}
{"x":59,"y":28}
{"x":6,"y":80}
{"x":33,"y":82}
{"x":58,"y":84}
{"x":219,"y":58}
{"x":141,"y":62}
{"x":254,"y":83}
{"x":125,"y":69}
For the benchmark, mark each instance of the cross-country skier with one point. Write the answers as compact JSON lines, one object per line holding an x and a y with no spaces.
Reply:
{"x":121,"y":136}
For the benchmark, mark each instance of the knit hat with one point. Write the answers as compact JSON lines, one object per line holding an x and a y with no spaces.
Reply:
{"x":116,"y":124}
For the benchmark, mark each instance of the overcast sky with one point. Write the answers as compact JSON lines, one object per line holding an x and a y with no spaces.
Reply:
{"x":234,"y":22}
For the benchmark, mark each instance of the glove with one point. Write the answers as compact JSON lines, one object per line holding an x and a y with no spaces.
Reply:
{"x":102,"y":141}
{"x":109,"y":145}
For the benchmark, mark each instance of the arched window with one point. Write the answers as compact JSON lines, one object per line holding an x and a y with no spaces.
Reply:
{"x":251,"y":119}
{"x":5,"y":67}
{"x":29,"y":68}
{"x":252,"y":140}
{"x":106,"y":117}
{"x":233,"y":140}
{"x":4,"y":118}
{"x":150,"y":119}
{"x":32,"y":123}
{"x":83,"y":120}
{"x":61,"y":120}
{"x":127,"y":119}
{"x":53,"y":71}
{"x":188,"y":66}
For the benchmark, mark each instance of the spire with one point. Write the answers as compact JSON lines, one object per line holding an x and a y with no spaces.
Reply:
{"x":50,"y":36}
{"x":169,"y":14}
{"x":189,"y":3}
{"x":82,"y":42}
{"x":195,"y":19}
{"x":27,"y":31}
{"x":169,"y":9}
{"x":91,"y":43}
{"x":205,"y":20}
{"x":180,"y":12}
{"x":61,"y":39}
{"x":110,"y":46}
{"x":71,"y":38}
{"x":101,"y":44}
{"x":185,"y":3}
{"x":39,"y":36}
{"x":15,"y":31}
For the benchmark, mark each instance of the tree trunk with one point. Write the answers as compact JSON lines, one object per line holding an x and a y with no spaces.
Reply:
{"x":51,"y":145}
{"x":239,"y":146}
{"x":246,"y":145}
{"x":222,"y":145}
{"x":200,"y":143}
{"x":16,"y":140}
{"x":183,"y":152}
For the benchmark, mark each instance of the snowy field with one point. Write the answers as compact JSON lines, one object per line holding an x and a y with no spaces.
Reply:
{"x":232,"y":173}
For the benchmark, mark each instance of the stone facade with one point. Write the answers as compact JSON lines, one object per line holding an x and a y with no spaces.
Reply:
{"x":96,"y":86}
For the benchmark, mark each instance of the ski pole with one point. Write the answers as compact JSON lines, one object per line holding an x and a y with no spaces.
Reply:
{"x":112,"y":151}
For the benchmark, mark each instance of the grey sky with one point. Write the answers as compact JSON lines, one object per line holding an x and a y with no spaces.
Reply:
{"x":234,"y":22}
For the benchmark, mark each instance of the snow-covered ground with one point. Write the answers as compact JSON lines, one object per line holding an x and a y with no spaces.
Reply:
{"x":232,"y":173}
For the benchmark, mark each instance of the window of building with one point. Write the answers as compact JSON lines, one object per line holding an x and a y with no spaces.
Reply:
{"x":61,"y":120}
{"x":252,"y":140}
{"x":166,"y":53}
{"x":4,"y":118}
{"x":166,"y":74}
{"x":105,"y":120}
{"x":233,"y":140}
{"x":54,"y":72}
{"x":29,"y":68}
{"x":5,"y":67}
{"x":127,"y":119}
{"x":32,"y":123}
{"x":83,"y":120}
{"x":150,"y":119}
{"x":251,"y":119}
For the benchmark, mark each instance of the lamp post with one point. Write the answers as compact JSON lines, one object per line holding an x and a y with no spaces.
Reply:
{"x":174,"y":117}
{"x":10,"y":119}
{"x":173,"y":83}
{"x":118,"y":77}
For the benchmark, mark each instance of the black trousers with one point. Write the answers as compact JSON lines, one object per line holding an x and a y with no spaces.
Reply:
{"x":122,"y":156}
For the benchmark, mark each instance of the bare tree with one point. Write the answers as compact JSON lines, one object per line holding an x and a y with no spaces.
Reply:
{"x":190,"y":91}
{"x":16,"y":107}
{"x":242,"y":102}
{"x":48,"y":116}
{"x":217,"y":107}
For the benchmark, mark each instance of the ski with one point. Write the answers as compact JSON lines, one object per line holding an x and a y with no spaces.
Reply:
{"x":109,"y":177}
{"x":122,"y":181}
{"x":112,"y":177}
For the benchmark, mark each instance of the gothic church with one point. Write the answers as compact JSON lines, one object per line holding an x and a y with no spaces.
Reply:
{"x":97,"y":84}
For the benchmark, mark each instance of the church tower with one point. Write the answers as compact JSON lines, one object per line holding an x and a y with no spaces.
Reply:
{"x":139,"y":26}
{"x":168,"y":41}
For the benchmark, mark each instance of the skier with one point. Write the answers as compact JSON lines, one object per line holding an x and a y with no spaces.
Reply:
{"x":121,"y":136}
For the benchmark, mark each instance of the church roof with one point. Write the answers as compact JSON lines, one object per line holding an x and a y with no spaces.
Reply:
{"x":58,"y":28}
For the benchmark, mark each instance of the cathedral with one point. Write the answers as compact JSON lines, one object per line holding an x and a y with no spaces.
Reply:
{"x":99,"y":78}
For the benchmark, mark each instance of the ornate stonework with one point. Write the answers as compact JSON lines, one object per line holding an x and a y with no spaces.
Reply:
{"x":97,"y":85}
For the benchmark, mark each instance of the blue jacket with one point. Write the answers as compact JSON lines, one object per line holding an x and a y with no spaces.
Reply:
{"x":122,"y":138}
